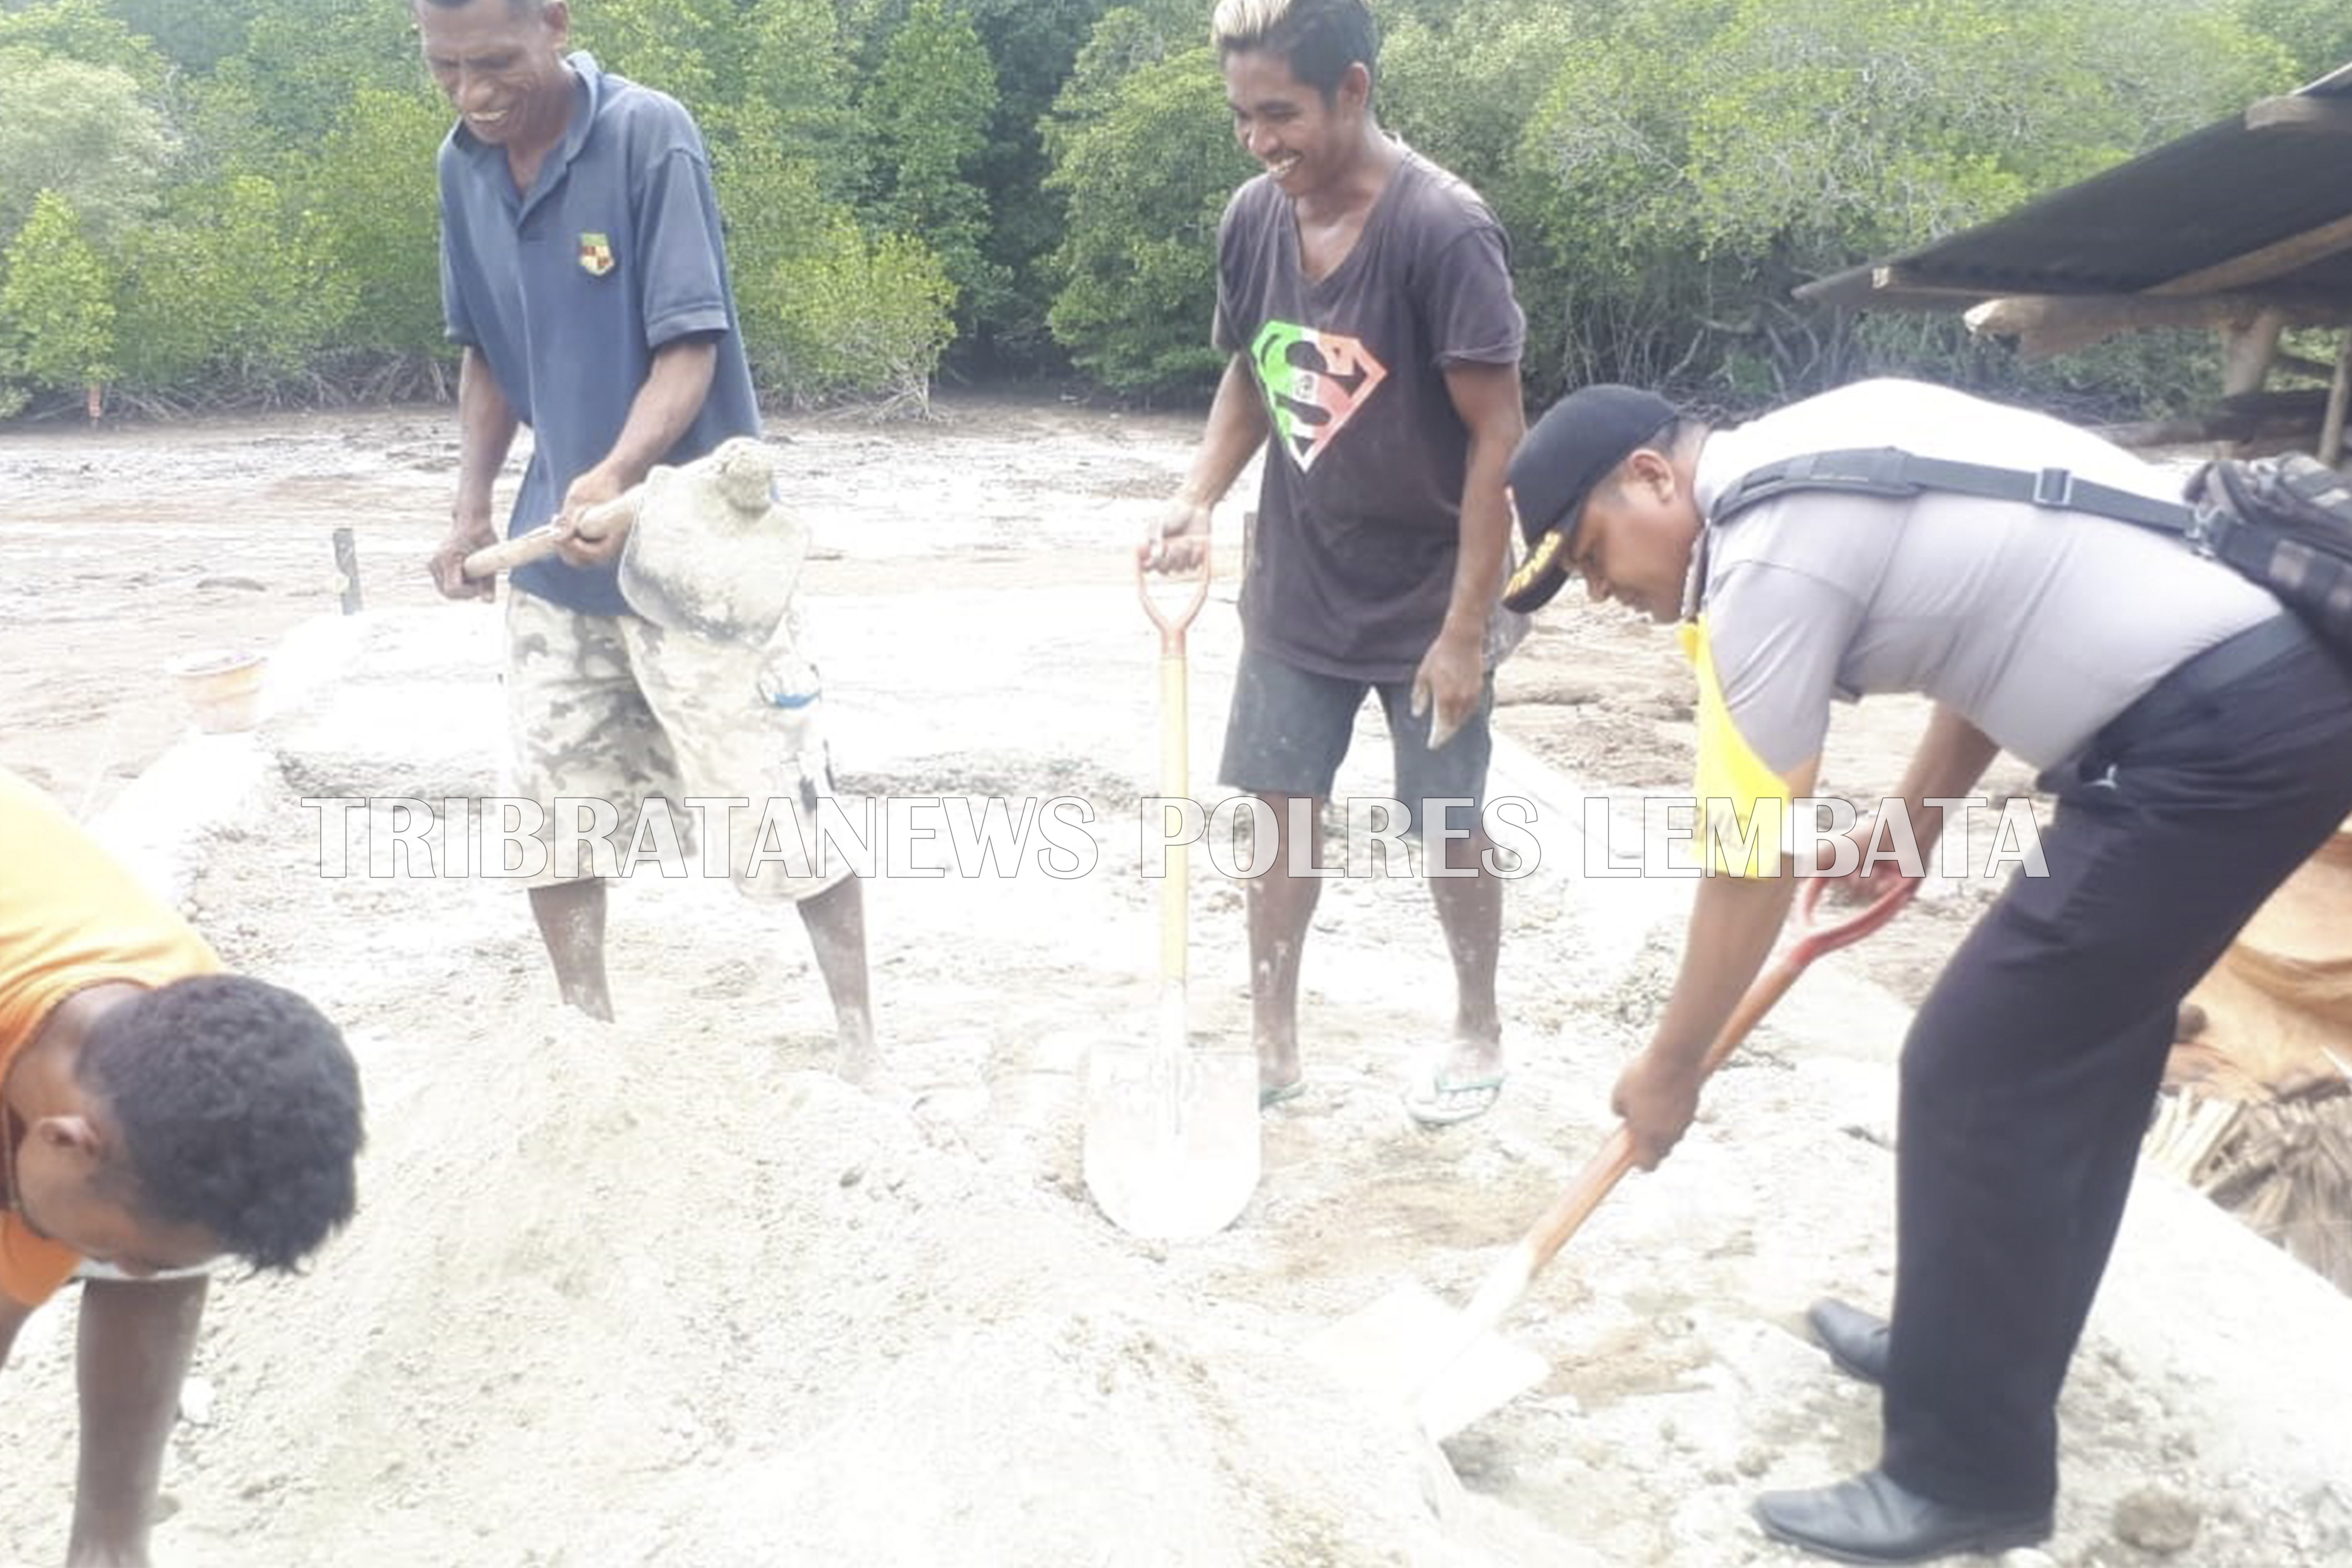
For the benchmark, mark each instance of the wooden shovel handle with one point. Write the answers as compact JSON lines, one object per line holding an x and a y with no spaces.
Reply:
{"x":612,"y":516}
{"x":508,"y":553}
{"x":1609,"y":1165}
{"x":1175,"y":782}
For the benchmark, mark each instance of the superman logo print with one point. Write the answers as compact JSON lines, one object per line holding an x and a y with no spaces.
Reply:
{"x":1315,"y":382}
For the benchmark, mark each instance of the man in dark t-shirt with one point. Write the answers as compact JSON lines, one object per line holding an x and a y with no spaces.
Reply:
{"x":1365,"y":297}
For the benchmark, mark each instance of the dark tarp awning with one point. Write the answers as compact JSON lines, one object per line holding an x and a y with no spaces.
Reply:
{"x":2279,"y":174}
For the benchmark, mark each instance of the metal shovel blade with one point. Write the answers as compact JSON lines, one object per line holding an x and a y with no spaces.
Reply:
{"x":711,"y":552}
{"x":1171,"y":1134}
{"x":729,"y":590}
{"x":1408,"y":1349}
{"x":1448,"y":1368}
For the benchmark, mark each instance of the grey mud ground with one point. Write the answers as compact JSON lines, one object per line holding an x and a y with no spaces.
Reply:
{"x":667,"y":1291}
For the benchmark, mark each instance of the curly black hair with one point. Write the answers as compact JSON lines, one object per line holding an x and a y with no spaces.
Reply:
{"x":239,"y":1110}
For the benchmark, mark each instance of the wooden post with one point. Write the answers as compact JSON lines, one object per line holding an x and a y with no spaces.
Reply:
{"x":2247,"y":350}
{"x":2339,"y":391}
{"x":347,"y":565}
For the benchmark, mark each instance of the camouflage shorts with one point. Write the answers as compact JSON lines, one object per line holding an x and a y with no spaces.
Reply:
{"x":612,"y":709}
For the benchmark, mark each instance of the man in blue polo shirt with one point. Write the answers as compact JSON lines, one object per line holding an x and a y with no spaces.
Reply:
{"x":582,"y":268}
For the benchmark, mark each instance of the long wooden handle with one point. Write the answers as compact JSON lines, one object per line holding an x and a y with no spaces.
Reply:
{"x":507,"y":555}
{"x":1518,"y":1268}
{"x":1611,"y":1162}
{"x":1175,"y":783}
{"x":1175,"y":767}
{"x":612,"y":516}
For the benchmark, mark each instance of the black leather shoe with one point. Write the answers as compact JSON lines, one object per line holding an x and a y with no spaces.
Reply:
{"x":1871,"y":1520}
{"x":1855,"y":1340}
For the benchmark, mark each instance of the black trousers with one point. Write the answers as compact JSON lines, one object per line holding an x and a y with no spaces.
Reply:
{"x":2031,"y":1070}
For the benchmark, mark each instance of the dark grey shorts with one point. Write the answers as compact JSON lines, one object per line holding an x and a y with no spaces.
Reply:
{"x":1291,"y":728}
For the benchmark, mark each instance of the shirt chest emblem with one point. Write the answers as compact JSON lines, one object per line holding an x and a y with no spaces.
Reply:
{"x":596,"y":254}
{"x":1313,"y":383}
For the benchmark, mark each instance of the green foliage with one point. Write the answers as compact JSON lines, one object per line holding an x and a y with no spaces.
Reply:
{"x":928,"y":110}
{"x":2138,"y":375}
{"x":1701,"y":157}
{"x":871,"y":316}
{"x":1027,"y":179}
{"x":194,"y":36}
{"x":55,"y":300}
{"x":370,"y":193}
{"x":82,"y":131}
{"x":1032,"y":44}
{"x":1508,"y":49}
{"x":683,"y":48}
{"x":1835,"y":122}
{"x":82,"y":30}
{"x":235,"y":292}
{"x":1125,"y":40}
{"x":1512,"y":53}
{"x":303,"y":60}
{"x":1147,"y":167}
{"x":826,"y":311}
{"x":2317,"y":35}
{"x":867,"y":27}
{"x":798,"y":100}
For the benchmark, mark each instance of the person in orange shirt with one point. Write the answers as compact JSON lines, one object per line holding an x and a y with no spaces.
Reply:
{"x":155,"y":1113}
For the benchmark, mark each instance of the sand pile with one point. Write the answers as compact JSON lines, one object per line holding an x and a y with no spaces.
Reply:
{"x":620,"y":1296}
{"x":648,"y":1308}
{"x":668,"y":1292}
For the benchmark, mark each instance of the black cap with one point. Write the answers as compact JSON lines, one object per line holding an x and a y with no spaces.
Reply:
{"x":1571,"y":448}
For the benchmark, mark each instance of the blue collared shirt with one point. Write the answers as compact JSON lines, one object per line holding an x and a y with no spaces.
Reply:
{"x":569,"y":290}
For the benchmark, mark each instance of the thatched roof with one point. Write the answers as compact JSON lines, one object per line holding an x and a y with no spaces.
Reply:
{"x":2283,"y":1167}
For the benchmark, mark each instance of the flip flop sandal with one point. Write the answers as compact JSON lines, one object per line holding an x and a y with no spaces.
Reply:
{"x":1269,"y":1098}
{"x":1441,"y":1101}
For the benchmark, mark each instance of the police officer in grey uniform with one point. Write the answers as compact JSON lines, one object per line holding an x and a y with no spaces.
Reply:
{"x":2198,"y":741}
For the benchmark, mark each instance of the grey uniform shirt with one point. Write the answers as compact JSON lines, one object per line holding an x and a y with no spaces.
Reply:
{"x":2036,"y":624}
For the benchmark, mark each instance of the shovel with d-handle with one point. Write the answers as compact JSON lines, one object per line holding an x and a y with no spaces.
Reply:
{"x":1172,"y":1136}
{"x":1449,"y":1368}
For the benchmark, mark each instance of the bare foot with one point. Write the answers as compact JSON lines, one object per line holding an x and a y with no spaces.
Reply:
{"x":594,"y":1002}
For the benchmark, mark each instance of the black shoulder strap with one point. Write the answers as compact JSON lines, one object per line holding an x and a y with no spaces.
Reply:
{"x":1891,"y":471}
